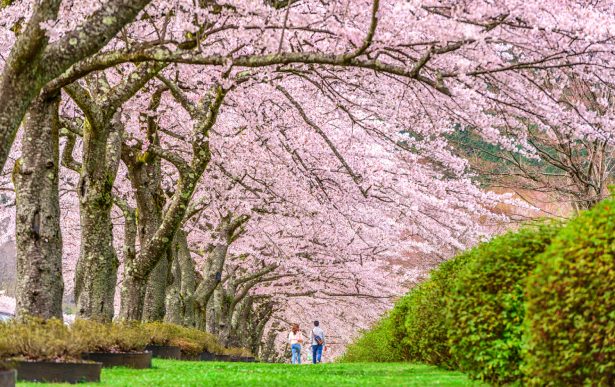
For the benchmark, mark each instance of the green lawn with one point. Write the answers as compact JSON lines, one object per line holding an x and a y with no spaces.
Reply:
{"x":186,"y":373}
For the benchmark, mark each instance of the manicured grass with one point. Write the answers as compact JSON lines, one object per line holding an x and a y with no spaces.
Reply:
{"x":184,"y":373}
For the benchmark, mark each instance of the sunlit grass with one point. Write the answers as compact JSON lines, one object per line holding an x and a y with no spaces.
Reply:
{"x":184,"y":373}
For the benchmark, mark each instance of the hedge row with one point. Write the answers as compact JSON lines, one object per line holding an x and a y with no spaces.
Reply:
{"x":36,"y":339}
{"x":534,"y":306}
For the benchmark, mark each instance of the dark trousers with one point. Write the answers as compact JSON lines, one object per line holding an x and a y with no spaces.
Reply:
{"x":316,"y":353}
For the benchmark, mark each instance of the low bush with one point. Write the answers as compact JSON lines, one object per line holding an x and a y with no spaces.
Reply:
{"x":486,"y":303}
{"x":36,"y":339}
{"x":160,"y":333}
{"x":115,"y":338}
{"x":237,"y":352}
{"x":570,"y":323}
{"x":426,"y":330}
{"x":5,"y":348}
{"x":373,"y":345}
{"x":200,"y":341}
{"x":415,"y":329}
{"x":397,"y":325}
{"x":192,"y":341}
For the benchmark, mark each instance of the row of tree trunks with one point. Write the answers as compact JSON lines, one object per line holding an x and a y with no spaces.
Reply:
{"x":96,"y":274}
{"x":40,"y":244}
{"x":150,"y":254}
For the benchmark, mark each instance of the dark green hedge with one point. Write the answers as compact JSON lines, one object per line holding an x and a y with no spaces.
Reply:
{"x":426,"y":338}
{"x":374,"y":345}
{"x":486,"y":303}
{"x":570,"y":324}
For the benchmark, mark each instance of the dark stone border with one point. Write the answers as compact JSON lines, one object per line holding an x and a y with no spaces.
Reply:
{"x":207,"y":356}
{"x":7,"y":378}
{"x":136,"y":360}
{"x":165,"y":351}
{"x":222,"y":357}
{"x":48,"y":371}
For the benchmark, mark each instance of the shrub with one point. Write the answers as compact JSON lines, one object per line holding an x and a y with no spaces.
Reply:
{"x":570,"y":324}
{"x":374,"y":345}
{"x":486,"y":303}
{"x":194,"y":341}
{"x":36,"y":339}
{"x":426,"y":330}
{"x":237,"y":352}
{"x":160,"y":333}
{"x":415,"y":329}
{"x":5,"y":347}
{"x":397,"y":326}
{"x":116,"y":337}
{"x":190,"y":340}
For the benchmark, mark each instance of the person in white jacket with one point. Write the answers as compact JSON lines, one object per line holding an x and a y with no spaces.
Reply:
{"x":317,"y":337}
{"x":295,"y":338}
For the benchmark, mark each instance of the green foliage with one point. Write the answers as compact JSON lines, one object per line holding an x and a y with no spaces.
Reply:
{"x":191,"y":341}
{"x":194,"y":341}
{"x":237,"y":352}
{"x":570,"y":323}
{"x":415,"y":329}
{"x":426,"y":332}
{"x":161,"y":333}
{"x":5,"y":347}
{"x":36,"y":339}
{"x":116,"y":337}
{"x":486,"y":303}
{"x":374,"y":345}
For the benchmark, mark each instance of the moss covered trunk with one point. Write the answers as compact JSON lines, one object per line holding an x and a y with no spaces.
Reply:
{"x":96,"y":273}
{"x":39,"y":239}
{"x":180,"y":305}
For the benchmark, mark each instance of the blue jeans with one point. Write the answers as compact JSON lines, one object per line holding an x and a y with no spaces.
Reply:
{"x":316,"y":353}
{"x":296,"y":350}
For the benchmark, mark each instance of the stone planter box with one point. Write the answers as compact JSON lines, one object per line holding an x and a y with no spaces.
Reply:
{"x":222,"y":358}
{"x":136,"y":360}
{"x":165,"y":351}
{"x":207,"y":356}
{"x":190,"y":356}
{"x":56,"y":372}
{"x":7,"y":378}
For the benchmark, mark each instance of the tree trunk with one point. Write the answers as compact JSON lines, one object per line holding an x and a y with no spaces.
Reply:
{"x":226,"y":233}
{"x":96,"y":273}
{"x":39,"y":239}
{"x":180,"y":297}
{"x":156,"y":289}
{"x":133,"y":296}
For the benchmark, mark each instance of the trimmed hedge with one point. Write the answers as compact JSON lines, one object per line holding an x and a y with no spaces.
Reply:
{"x":486,"y":304}
{"x":191,"y":341}
{"x":36,"y":339}
{"x":374,"y":345}
{"x":570,"y":324}
{"x":426,"y":330}
{"x":110,"y":337}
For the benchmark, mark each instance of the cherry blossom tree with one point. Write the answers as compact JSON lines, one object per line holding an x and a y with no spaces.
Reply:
{"x":293,"y":149}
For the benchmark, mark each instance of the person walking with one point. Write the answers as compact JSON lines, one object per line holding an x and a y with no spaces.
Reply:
{"x":295,"y":338}
{"x":317,"y":337}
